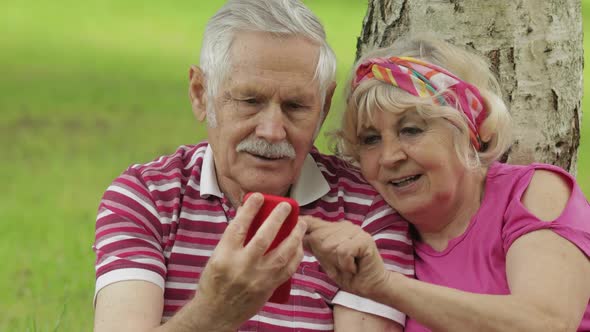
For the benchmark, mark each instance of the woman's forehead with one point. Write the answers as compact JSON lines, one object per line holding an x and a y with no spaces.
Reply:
{"x":370,"y":117}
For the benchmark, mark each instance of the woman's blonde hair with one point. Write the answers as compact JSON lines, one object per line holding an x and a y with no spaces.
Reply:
{"x":371,"y":95}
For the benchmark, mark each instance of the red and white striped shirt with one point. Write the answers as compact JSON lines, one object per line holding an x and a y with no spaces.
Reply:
{"x":160,"y":222}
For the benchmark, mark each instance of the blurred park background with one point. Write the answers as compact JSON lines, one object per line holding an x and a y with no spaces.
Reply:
{"x":86,"y":89}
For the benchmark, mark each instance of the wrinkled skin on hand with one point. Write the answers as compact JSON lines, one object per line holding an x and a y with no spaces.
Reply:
{"x":238,"y":280}
{"x":347,"y":254}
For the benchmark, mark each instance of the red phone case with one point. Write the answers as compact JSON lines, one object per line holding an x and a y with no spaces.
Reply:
{"x":282,"y":293}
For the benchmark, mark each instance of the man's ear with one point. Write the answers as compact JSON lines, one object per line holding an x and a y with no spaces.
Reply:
{"x":328,"y":100}
{"x":197,"y":93}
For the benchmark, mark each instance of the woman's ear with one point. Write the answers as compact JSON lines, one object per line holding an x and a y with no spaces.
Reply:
{"x":197,"y":93}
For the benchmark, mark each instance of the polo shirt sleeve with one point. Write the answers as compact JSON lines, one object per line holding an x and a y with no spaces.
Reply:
{"x":128,"y":238}
{"x":391,"y":234}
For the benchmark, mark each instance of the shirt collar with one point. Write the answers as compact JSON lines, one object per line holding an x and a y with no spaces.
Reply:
{"x":208,"y":179}
{"x":309,"y":187}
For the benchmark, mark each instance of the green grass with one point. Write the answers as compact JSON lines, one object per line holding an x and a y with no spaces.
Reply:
{"x":87,"y":89}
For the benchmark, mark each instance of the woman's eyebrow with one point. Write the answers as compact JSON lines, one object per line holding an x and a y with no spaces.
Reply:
{"x":367,"y":127}
{"x":408,"y":115}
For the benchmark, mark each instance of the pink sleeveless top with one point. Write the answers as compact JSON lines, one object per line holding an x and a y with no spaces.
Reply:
{"x":476,"y":260}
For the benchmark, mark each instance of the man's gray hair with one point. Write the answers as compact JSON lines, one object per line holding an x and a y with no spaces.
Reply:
{"x":288,"y":17}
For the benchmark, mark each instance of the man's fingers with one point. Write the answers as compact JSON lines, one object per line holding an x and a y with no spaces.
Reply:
{"x":307,"y":243}
{"x":290,"y":245}
{"x":238,"y":227}
{"x":269,"y":229}
{"x":288,"y":255}
{"x":292,"y":266}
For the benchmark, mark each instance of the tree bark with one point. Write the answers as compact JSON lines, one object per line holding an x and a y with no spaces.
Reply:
{"x":535,"y":48}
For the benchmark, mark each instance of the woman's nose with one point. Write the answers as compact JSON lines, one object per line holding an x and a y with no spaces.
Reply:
{"x":392,"y":152}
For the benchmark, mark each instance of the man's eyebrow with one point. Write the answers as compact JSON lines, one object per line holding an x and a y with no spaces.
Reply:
{"x":246,"y":90}
{"x":302,"y":99}
{"x":299,"y":91}
{"x":243,"y":92}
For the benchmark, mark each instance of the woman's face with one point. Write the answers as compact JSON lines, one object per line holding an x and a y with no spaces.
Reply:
{"x":412,"y":163}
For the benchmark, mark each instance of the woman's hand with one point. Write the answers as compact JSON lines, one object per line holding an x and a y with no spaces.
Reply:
{"x":347,"y":254}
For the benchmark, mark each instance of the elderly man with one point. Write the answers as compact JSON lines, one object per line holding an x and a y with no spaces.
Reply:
{"x":169,"y":234}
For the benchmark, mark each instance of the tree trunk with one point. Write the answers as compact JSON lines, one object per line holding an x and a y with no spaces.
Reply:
{"x":535,"y":47}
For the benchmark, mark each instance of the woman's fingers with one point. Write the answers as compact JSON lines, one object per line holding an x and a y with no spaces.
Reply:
{"x":314,"y":224}
{"x":334,"y":244}
{"x":342,"y":247}
{"x":347,"y":253}
{"x":317,"y":232}
{"x":346,"y":258}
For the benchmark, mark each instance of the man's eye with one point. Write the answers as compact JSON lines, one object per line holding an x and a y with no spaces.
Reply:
{"x":294,"y":106}
{"x":370,"y":139}
{"x":411,"y":131}
{"x":249,"y":101}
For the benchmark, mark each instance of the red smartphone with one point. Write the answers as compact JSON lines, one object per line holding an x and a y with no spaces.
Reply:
{"x":282,"y":293}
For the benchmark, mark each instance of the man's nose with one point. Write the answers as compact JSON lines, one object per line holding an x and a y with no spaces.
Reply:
{"x":271,"y":125}
{"x":392,"y":152}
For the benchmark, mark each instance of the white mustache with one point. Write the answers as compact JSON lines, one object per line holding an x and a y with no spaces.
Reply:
{"x":261,"y":147}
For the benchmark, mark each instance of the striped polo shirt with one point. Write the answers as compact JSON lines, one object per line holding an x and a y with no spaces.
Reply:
{"x":160,"y":222}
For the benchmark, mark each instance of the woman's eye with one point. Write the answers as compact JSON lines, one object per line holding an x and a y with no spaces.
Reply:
{"x":370,"y":139}
{"x":411,"y":131}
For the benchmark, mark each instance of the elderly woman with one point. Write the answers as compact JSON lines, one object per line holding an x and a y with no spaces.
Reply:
{"x":498,"y":247}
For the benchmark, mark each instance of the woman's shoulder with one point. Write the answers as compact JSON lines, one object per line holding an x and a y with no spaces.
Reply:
{"x":547,"y":197}
{"x":503,"y":169}
{"x":506,"y":180}
{"x":538,"y":190}
{"x":547,"y":192}
{"x":520,"y":177}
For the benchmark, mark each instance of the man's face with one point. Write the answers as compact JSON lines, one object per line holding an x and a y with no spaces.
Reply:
{"x":267,"y":112}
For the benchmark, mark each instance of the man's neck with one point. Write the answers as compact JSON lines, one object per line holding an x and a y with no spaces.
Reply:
{"x":235,"y":193}
{"x":231,"y":190}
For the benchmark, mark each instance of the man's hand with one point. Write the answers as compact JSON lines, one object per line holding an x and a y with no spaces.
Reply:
{"x":347,"y":254}
{"x":238,"y":280}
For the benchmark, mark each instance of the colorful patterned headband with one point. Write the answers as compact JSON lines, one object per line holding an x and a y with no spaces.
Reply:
{"x":423,"y":79}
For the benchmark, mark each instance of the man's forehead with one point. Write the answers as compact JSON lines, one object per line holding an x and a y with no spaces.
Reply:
{"x":249,"y":39}
{"x":265,"y":63}
{"x":282,"y":53}
{"x":251,"y":87}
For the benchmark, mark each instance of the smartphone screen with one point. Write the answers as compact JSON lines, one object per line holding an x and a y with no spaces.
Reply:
{"x":281,"y":294}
